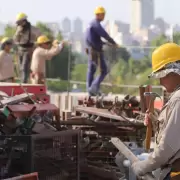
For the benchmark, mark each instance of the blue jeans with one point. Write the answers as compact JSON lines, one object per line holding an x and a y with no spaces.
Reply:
{"x":92,"y":67}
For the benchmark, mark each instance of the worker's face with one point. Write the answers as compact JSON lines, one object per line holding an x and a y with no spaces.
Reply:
{"x":8,"y":47}
{"x":46,"y":45}
{"x":100,"y":17}
{"x":21,"y":23}
{"x":170,"y":82}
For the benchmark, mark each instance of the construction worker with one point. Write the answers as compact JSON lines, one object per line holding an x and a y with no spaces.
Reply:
{"x":6,"y":61}
{"x":166,"y":154}
{"x":42,"y":53}
{"x":94,"y":50}
{"x":24,"y":38}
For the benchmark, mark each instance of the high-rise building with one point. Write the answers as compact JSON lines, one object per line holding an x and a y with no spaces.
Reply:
{"x":66,"y":25}
{"x":142,"y":14}
{"x":78,"y":26}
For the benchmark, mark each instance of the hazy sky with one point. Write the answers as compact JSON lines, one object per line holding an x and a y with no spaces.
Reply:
{"x":55,"y":10}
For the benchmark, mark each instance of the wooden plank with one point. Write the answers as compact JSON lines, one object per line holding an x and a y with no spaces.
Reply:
{"x":106,"y":114}
{"x":128,"y":154}
{"x":28,"y":107}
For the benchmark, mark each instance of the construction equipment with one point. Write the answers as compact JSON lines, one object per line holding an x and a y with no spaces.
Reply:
{"x":149,"y":131}
{"x":128,"y":106}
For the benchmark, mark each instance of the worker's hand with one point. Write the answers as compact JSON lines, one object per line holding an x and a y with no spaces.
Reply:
{"x":117,"y":45}
{"x":137,"y":168}
{"x":19,"y":29}
{"x":64,"y":42}
{"x":55,"y":42}
{"x":151,"y":117}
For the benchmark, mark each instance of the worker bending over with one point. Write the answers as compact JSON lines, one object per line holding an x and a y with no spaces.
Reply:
{"x":42,"y":53}
{"x":166,"y":154}
{"x":94,"y":50}
{"x":6,"y":61}
{"x":24,"y":38}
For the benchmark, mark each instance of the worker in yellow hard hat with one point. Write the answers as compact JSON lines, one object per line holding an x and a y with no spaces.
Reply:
{"x":43,"y":52}
{"x":166,"y":154}
{"x":94,"y":45}
{"x":25,"y":37}
{"x":6,"y":61}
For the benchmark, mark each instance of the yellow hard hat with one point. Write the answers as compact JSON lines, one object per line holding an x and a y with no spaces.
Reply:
{"x":42,"y":39}
{"x":99,"y":10}
{"x":173,"y":174}
{"x":6,"y":39}
{"x":165,"y":54}
{"x":21,"y":16}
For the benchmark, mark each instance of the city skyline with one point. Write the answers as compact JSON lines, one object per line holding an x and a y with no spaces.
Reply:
{"x":41,"y":11}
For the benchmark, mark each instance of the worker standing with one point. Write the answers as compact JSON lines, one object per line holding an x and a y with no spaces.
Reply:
{"x":96,"y":57}
{"x":166,"y":154}
{"x":24,"y":38}
{"x":42,"y":53}
{"x":6,"y":61}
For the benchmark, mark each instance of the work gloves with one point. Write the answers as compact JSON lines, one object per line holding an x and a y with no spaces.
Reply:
{"x":138,"y":167}
{"x":56,"y":43}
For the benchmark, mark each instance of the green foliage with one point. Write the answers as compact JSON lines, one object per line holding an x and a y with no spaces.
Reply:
{"x":58,"y":66}
{"x":114,"y":54}
{"x":45,"y":30}
{"x":79,"y":72}
{"x":10,"y":31}
{"x":59,"y":36}
{"x":58,"y":86}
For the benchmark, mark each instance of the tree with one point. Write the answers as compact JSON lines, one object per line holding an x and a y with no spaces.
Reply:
{"x":79,"y":72}
{"x":45,"y":30}
{"x":160,"y":40}
{"x":59,"y":36}
{"x":9,"y":31}
{"x":114,"y":54}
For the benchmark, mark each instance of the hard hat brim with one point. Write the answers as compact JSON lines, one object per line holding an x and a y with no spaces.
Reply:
{"x":19,"y":20}
{"x":99,"y":13}
{"x":43,"y":42}
{"x":7,"y":42}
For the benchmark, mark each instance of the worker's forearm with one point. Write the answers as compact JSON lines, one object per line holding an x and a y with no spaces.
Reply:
{"x":111,"y":40}
{"x":157,"y":159}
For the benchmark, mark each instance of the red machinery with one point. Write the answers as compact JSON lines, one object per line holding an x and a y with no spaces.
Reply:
{"x":12,"y":89}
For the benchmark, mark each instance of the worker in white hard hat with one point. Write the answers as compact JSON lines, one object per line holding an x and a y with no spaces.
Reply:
{"x":43,"y":52}
{"x":25,"y":37}
{"x":6,"y":61}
